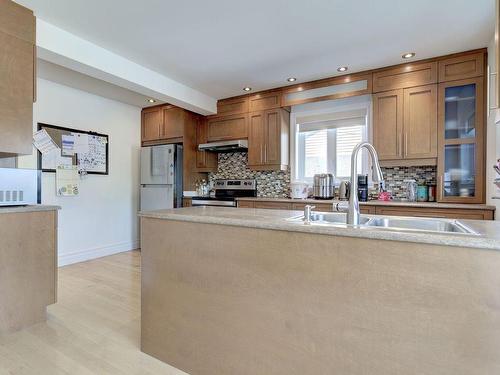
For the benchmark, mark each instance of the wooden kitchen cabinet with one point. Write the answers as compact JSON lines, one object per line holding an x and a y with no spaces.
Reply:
{"x":206,"y":161}
{"x":388,"y":124}
{"x":152,"y":123}
{"x":420,"y":122}
{"x":405,"y":76}
{"x":405,"y":126}
{"x":17,"y":78}
{"x":227,"y":128}
{"x":461,"y":67}
{"x":273,"y":205}
{"x":233,"y":106}
{"x":265,"y":100}
{"x":268,"y":140}
{"x":173,"y":121}
{"x":461,"y":167}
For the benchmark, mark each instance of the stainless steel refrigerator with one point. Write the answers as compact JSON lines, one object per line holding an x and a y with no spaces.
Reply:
{"x":161,"y":177}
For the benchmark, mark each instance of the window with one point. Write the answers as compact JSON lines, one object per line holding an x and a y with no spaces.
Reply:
{"x":325,"y":145}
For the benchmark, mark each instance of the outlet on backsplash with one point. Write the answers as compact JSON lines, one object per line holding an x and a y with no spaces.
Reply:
{"x":270,"y":184}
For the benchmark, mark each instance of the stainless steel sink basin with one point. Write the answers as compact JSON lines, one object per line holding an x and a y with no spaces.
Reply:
{"x":328,"y":218}
{"x":428,"y":225}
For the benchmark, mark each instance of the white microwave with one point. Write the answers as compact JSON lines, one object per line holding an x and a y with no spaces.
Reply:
{"x":19,"y":187}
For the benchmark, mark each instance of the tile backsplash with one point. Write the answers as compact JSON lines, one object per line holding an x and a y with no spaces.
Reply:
{"x":395,"y":176}
{"x":276,"y":184}
{"x":270,"y":184}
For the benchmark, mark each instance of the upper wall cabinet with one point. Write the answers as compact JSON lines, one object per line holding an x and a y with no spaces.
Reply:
{"x":408,"y":75}
{"x":265,"y":100}
{"x":152,"y":121}
{"x":461,"y":67}
{"x":405,"y":126}
{"x":232,"y":106}
{"x":206,"y":161}
{"x":173,"y":122}
{"x":17,"y":78}
{"x":227,"y":127}
{"x":268,"y":140}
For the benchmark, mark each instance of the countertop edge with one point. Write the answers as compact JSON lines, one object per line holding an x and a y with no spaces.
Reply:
{"x":340,"y":230}
{"x":29,"y":208}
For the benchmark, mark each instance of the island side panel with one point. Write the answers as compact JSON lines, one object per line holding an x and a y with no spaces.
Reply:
{"x":28,"y":267}
{"x":234,"y":300}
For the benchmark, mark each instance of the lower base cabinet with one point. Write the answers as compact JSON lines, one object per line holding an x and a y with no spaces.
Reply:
{"x":448,"y":213}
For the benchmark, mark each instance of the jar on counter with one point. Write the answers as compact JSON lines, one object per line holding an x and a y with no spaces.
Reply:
{"x":431,"y":192}
{"x":422,"y":193}
{"x":411,"y":190}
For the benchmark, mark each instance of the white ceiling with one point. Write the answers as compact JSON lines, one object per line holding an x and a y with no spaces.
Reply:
{"x":220,"y":46}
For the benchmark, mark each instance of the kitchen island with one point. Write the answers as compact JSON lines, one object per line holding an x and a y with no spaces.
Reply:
{"x":249,"y":291}
{"x":28,"y":264}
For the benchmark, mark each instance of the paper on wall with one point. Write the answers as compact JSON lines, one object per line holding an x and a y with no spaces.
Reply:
{"x":68,"y":144}
{"x":81,"y":143}
{"x":67,"y":180}
{"x":53,"y":159}
{"x":43,"y":142}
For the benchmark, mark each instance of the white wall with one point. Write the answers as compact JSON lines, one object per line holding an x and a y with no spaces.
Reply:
{"x":102,"y":220}
{"x":492,"y":141}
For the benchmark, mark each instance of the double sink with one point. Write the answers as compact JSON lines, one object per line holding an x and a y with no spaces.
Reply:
{"x":394,"y":223}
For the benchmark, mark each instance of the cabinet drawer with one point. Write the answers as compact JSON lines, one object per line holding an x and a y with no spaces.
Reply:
{"x":265,"y":100}
{"x":273,"y":205}
{"x":367,"y":210}
{"x":227,"y":128}
{"x":408,"y":75}
{"x":246,"y":204}
{"x":232,"y":106}
{"x":444,"y":213}
{"x":461,"y":67}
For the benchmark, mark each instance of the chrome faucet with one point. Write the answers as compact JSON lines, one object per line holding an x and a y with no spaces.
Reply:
{"x":352,"y":207}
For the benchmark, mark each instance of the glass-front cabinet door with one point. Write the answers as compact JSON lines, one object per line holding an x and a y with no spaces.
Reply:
{"x":460,"y":141}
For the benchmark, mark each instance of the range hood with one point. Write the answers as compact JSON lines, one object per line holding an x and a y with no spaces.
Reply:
{"x":225,"y":146}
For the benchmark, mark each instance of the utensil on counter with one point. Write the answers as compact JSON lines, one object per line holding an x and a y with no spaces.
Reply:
{"x":323,"y":186}
{"x":344,"y":189}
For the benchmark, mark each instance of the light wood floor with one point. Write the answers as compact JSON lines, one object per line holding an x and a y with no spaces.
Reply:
{"x":93,"y":329}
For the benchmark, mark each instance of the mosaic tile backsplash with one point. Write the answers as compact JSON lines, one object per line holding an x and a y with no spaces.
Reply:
{"x":276,"y":184}
{"x":270,"y":184}
{"x":395,"y":176}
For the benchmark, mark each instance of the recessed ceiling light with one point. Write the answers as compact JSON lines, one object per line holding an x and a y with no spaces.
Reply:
{"x":247,"y":89}
{"x":408,"y":55}
{"x":151,"y":100}
{"x":291,"y":79}
{"x":342,"y":69}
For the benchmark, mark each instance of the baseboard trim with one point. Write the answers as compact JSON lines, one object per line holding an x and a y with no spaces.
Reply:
{"x":98,"y":252}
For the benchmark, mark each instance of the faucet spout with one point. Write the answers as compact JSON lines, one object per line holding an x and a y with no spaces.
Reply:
{"x":352,"y":208}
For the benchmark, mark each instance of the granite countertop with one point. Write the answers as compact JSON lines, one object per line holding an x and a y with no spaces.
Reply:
{"x":393,"y":203}
{"x":28,"y":208}
{"x":489,"y":231}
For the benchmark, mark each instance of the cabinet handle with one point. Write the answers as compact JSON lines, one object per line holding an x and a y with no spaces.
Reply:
{"x":400,"y":145}
{"x":261,"y":158}
{"x":34,"y":74}
{"x":406,"y":144}
{"x":265,"y":155}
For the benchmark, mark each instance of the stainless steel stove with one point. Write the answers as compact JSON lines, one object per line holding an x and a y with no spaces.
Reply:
{"x":226,"y":192}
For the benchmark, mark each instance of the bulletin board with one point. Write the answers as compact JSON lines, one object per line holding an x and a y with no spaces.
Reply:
{"x":94,"y":161}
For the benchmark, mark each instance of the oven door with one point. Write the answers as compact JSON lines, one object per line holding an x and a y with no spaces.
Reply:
{"x":213,"y":202}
